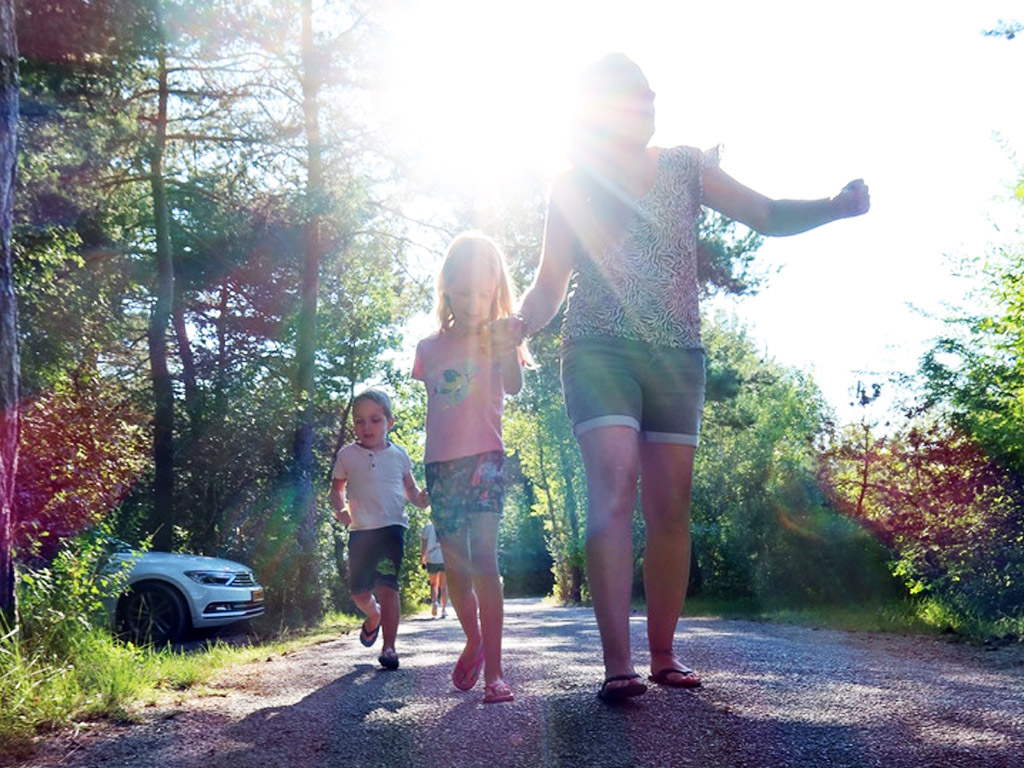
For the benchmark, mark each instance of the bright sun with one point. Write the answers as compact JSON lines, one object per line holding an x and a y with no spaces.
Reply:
{"x":470,"y":103}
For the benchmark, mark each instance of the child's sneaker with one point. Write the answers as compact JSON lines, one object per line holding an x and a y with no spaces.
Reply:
{"x":433,"y":609}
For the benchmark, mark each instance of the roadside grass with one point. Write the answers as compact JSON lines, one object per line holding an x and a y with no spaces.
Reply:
{"x":895,"y":616}
{"x":908,"y":617}
{"x":91,"y":676}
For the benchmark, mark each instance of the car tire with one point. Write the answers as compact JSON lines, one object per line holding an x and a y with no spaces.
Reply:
{"x":152,"y":613}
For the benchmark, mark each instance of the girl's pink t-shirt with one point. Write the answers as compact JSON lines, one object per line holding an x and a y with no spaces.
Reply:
{"x":465,"y":396}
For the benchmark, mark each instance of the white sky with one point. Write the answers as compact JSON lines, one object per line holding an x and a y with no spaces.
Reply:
{"x":804,"y":96}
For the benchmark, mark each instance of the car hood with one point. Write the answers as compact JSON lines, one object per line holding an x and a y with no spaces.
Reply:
{"x":176,"y":561}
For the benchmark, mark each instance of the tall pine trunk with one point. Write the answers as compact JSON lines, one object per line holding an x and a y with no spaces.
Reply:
{"x":304,"y":504}
{"x":9,"y":415}
{"x":162,"y":520}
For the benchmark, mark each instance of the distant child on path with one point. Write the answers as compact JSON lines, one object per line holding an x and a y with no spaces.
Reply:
{"x":372,"y":481}
{"x":467,"y":376}
{"x":432,"y":559}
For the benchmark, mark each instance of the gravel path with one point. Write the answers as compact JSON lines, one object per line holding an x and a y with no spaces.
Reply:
{"x":774,"y":696}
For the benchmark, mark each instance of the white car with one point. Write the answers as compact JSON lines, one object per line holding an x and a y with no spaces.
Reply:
{"x":167,"y":593}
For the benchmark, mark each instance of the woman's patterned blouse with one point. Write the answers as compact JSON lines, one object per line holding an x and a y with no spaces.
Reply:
{"x":645,"y":287}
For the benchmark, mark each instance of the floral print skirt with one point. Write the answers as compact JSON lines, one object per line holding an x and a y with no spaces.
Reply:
{"x":469,"y":485}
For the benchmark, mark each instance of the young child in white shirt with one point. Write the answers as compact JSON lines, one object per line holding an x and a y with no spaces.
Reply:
{"x":372,"y":480}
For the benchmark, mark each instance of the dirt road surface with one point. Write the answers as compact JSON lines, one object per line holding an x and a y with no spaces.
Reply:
{"x":774,"y":695}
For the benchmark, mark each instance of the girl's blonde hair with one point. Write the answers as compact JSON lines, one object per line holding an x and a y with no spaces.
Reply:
{"x":474,"y":251}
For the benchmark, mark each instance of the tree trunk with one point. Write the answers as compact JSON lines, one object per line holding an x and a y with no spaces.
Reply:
{"x":220,"y":382}
{"x":572,"y":513}
{"x":343,"y":598}
{"x":865,"y":471}
{"x":162,"y":521}
{"x":9,"y":414}
{"x":304,"y":505}
{"x":188,"y":361}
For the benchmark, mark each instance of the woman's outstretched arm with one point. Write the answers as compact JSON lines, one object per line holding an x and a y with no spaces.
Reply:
{"x":780,"y":217}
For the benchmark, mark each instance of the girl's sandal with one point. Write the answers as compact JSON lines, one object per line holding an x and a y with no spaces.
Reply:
{"x":464,"y":676}
{"x":497,"y":692}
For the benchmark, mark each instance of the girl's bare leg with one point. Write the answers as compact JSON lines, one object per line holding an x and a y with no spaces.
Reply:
{"x":487,"y":585}
{"x":458,"y":566}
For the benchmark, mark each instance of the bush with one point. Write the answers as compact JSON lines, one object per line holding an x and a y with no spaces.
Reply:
{"x":61,"y":661}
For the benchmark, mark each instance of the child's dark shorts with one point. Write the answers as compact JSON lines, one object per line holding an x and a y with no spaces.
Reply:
{"x":375,"y":558}
{"x":435,"y":567}
{"x":466,"y":486}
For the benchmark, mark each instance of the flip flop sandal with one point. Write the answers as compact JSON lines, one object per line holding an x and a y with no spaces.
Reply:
{"x":388,"y":659}
{"x":464,"y":676}
{"x":619,"y":693}
{"x":497,"y":692}
{"x":369,"y":638}
{"x":690,"y":678}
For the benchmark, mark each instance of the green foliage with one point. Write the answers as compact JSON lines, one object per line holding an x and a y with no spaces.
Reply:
{"x":60,"y":660}
{"x":82,"y":449}
{"x":239,"y":201}
{"x":898,"y":615}
{"x":60,"y":602}
{"x":61,"y":665}
{"x":726,"y":256}
{"x":975,"y":374}
{"x":524,"y":559}
{"x":551,"y":483}
{"x":948,"y":489}
{"x":761,"y":526}
{"x":951,"y":517}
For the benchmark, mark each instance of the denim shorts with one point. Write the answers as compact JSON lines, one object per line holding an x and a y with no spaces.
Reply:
{"x":658,"y":391}
{"x":375,"y":557}
{"x":462,"y":487}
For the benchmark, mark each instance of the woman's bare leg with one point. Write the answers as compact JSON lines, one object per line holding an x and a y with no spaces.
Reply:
{"x":610,"y":456}
{"x":666,"y":485}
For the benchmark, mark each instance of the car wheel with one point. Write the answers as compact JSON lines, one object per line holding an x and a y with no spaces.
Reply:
{"x":152,"y":613}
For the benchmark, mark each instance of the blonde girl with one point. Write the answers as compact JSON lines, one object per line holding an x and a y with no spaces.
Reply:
{"x":467,"y":372}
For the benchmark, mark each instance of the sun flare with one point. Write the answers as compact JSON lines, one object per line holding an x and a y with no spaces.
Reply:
{"x":471,"y":105}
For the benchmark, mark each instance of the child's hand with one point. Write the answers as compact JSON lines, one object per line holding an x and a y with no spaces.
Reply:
{"x":505,"y":335}
{"x":343,"y":517}
{"x":423,"y":500}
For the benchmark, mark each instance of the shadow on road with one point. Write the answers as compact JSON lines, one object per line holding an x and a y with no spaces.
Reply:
{"x":774,"y":696}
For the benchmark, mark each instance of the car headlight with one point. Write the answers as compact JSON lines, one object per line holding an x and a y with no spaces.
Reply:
{"x":209,"y":577}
